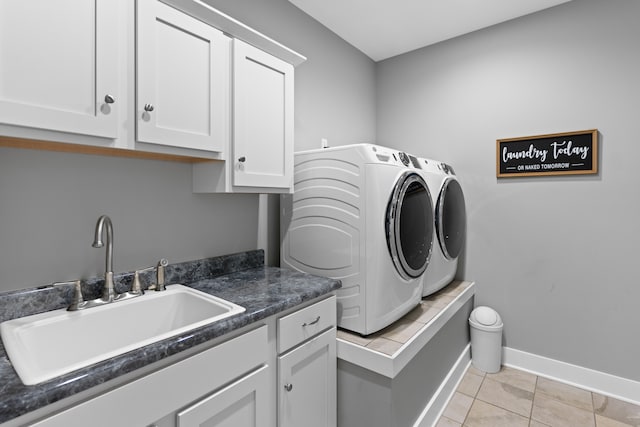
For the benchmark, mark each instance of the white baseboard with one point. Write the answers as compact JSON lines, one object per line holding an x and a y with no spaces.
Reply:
{"x":588,"y":379}
{"x":436,"y":406}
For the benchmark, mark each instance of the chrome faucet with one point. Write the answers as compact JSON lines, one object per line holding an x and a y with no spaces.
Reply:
{"x":108,"y":293}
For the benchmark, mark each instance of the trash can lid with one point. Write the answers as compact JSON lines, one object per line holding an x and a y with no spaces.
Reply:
{"x":485,"y":316}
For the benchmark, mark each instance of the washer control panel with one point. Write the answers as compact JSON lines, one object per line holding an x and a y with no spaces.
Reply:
{"x":387,"y":155}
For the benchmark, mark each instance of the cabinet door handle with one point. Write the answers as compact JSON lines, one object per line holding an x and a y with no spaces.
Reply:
{"x":311,"y":323}
{"x":109,"y":99}
{"x":242,"y":159}
{"x":288,"y":387}
{"x":148,"y":107}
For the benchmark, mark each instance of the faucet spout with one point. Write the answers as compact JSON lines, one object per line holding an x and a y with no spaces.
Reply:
{"x":104,"y":222}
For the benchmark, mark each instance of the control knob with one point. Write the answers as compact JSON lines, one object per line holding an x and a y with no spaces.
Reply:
{"x":404,"y":158}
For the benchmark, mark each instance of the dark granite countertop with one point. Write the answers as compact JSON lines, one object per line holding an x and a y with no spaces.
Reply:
{"x":240,"y":278}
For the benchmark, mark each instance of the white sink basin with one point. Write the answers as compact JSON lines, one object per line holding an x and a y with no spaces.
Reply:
{"x":47,"y":345}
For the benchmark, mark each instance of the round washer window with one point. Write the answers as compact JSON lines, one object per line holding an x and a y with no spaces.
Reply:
{"x":451,"y":219}
{"x":409,"y":225}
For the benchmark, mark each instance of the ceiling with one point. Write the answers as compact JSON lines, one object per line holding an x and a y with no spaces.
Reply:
{"x":385,"y":28}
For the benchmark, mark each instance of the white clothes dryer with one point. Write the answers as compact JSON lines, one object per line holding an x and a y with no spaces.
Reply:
{"x":364,"y":215}
{"x":450,"y":223}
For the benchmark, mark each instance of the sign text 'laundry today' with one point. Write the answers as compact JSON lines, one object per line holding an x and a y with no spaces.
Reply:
{"x":566,"y":153}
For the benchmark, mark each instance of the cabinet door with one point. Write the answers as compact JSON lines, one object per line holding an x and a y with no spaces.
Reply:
{"x":307,"y":384}
{"x":263,"y":119}
{"x":182,"y":79}
{"x":243,"y":403}
{"x":58,"y":65}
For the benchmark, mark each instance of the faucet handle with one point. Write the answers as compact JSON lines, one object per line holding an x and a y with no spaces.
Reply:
{"x":135,"y":287}
{"x":78,"y":301}
{"x":160,"y":275}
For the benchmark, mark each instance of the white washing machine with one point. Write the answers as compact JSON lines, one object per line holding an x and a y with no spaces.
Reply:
{"x":450,"y":223}
{"x":362,"y":214}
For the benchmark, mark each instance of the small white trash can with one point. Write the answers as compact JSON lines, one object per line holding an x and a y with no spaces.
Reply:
{"x":486,"y":339}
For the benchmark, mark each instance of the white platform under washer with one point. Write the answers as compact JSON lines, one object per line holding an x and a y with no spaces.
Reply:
{"x":450,"y":223}
{"x":364,"y":215}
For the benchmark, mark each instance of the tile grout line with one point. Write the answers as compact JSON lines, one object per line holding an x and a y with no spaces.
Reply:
{"x":475,"y":395}
{"x":593,"y":410}
{"x":533,"y":400}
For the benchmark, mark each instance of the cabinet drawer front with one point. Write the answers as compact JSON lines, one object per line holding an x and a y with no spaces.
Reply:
{"x":306,"y":323}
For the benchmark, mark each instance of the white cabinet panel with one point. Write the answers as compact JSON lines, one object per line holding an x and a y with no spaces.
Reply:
{"x":306,"y":323}
{"x":58,"y":65}
{"x":243,"y":403}
{"x":263,"y":119}
{"x":182,"y":80}
{"x":307,"y":383}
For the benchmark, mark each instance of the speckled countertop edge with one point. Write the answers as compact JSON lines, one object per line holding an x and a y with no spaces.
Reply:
{"x":263,"y":291}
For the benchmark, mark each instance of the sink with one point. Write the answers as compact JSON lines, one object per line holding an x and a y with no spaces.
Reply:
{"x":47,"y":345}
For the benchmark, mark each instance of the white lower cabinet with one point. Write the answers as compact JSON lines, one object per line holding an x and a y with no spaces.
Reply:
{"x":226,"y":380}
{"x":242,"y":403}
{"x":307,"y":366}
{"x":307,"y":383}
{"x":231,"y":384}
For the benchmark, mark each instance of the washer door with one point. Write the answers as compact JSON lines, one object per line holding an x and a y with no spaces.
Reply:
{"x":451,"y":219}
{"x":409,"y":225}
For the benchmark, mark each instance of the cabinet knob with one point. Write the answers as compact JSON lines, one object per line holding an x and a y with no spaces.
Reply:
{"x":288,"y":387}
{"x":242,"y":159}
{"x":109,"y":99}
{"x":148,"y":107}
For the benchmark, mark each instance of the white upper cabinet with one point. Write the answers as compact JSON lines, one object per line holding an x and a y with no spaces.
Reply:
{"x":58,"y":65}
{"x":173,"y":79}
{"x":260,"y":154}
{"x":183,"y":68}
{"x":262,"y":119}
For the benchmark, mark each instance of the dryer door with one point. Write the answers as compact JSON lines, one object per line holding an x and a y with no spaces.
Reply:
{"x":409,"y":225}
{"x":451,"y":219}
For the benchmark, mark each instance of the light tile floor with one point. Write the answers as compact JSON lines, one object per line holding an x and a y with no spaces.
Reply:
{"x":513,"y":398}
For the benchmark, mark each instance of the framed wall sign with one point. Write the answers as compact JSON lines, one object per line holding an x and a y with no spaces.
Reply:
{"x":568,"y":153}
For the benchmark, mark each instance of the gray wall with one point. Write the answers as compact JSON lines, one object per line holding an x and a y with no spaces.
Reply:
{"x":557,"y":257}
{"x":49,"y":202}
